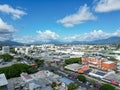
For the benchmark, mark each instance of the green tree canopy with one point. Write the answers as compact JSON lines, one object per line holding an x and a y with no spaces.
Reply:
{"x":72,"y":86}
{"x":73,"y":60}
{"x":6,"y":57}
{"x":39,"y":62}
{"x":53,"y":85}
{"x":112,"y":59}
{"x":16,"y":69}
{"x":81,"y":78}
{"x":107,"y":87}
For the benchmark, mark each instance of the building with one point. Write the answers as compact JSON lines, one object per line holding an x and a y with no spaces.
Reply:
{"x":73,"y":67}
{"x":25,"y":77}
{"x":32,"y":85}
{"x":93,"y":61}
{"x":23,"y":50}
{"x":5,"y":49}
{"x":3,"y":82}
{"x":98,"y":62}
{"x":35,"y":84}
{"x":112,"y":78}
{"x":99,"y":73}
{"x":77,"y":68}
{"x":65,"y":80}
{"x":108,"y":65}
{"x":84,"y":69}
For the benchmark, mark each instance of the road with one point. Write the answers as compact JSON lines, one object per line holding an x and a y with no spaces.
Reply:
{"x":100,"y":81}
{"x":65,"y":74}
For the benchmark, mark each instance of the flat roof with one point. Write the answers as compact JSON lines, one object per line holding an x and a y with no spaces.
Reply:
{"x":3,"y":80}
{"x":100,"y":73}
{"x":74,"y":66}
{"x":66,"y":80}
{"x":112,"y":76}
{"x":26,"y":76}
{"x":108,"y":62}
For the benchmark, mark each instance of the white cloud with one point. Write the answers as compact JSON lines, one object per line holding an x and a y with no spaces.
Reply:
{"x":16,"y":13}
{"x":107,"y":5}
{"x":81,"y":16}
{"x":6,"y":30}
{"x":25,"y":39}
{"x":94,"y":35}
{"x":48,"y":35}
{"x":45,"y":36}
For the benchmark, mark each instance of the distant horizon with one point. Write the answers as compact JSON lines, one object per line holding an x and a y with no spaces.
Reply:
{"x":59,"y":20}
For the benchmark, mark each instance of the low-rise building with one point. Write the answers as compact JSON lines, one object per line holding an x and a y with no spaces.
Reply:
{"x":112,"y":78}
{"x":3,"y":82}
{"x":92,"y":61}
{"x":99,"y":74}
{"x":108,"y":65}
{"x":98,"y":62}
{"x":73,"y":67}
{"x":77,"y":68}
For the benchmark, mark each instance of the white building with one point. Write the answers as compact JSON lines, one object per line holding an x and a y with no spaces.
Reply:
{"x":23,"y":50}
{"x":73,"y":67}
{"x":5,"y":49}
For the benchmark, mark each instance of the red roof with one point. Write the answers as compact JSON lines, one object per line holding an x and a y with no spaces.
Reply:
{"x":26,"y":76}
{"x":114,"y":82}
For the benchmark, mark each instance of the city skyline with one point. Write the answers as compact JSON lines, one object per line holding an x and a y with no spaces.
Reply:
{"x":61,"y":20}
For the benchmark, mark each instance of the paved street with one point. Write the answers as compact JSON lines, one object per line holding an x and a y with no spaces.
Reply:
{"x":66,"y":73}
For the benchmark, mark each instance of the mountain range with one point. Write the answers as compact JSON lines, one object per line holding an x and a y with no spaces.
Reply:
{"x":111,"y":40}
{"x":9,"y":42}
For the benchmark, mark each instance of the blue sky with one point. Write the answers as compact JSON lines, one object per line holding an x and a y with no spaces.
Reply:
{"x":64,"y":20}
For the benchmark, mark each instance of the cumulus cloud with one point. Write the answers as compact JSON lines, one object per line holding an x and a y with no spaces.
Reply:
{"x":94,"y":35}
{"x":16,"y":13}
{"x":82,"y":15}
{"x":107,"y":5}
{"x":47,"y":35}
{"x":6,"y":30}
{"x":44,"y":36}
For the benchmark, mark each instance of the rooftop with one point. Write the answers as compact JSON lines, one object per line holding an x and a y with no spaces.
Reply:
{"x":74,"y":66}
{"x":113,"y":77}
{"x":108,"y":62}
{"x":3,"y":80}
{"x":66,"y":80}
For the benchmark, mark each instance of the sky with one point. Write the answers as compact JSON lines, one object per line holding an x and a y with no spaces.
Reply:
{"x":29,"y":21}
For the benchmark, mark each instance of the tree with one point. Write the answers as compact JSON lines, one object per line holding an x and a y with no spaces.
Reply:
{"x":12,"y":50}
{"x":81,"y":78}
{"x":52,"y":70}
{"x":112,"y":59}
{"x":6,"y":57}
{"x":72,"y":86}
{"x":53,"y":85}
{"x":16,"y":69}
{"x":107,"y":87}
{"x":92,"y":81}
{"x":32,"y":69}
{"x":39,"y":62}
{"x":18,"y":58}
{"x":73,"y":60}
